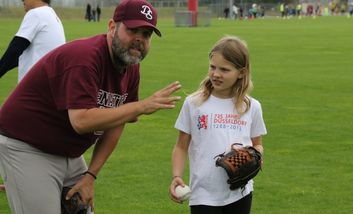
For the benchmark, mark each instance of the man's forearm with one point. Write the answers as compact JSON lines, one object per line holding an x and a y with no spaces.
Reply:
{"x":88,"y":120}
{"x":104,"y":148}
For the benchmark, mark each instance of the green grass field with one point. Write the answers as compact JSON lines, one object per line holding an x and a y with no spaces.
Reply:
{"x":303,"y":74}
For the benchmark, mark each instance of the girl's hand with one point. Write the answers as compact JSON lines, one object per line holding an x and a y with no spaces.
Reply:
{"x":176,"y":181}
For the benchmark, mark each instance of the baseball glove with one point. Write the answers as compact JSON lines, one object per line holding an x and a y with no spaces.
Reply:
{"x":73,"y":205}
{"x":241,"y":165}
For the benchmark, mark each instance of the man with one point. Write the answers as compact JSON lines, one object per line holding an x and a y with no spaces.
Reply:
{"x":41,"y":31}
{"x":80,"y":94}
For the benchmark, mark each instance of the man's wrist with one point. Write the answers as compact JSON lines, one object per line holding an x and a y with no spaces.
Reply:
{"x":90,"y":173}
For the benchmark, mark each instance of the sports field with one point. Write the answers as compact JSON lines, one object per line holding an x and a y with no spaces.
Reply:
{"x":303,"y":76}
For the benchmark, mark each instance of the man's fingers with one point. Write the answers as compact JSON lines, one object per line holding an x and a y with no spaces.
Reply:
{"x":91,"y":205}
{"x":86,"y":198}
{"x":173,"y":99}
{"x":169,"y":89}
{"x":172,"y":86}
{"x":161,"y":99}
{"x":70,"y":193}
{"x":169,"y":102}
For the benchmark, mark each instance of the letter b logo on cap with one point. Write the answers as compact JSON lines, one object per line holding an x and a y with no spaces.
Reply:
{"x":147,"y":12}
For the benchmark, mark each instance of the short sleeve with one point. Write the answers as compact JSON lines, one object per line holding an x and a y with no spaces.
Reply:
{"x":258,"y":127}
{"x":183,"y":122}
{"x":29,"y":27}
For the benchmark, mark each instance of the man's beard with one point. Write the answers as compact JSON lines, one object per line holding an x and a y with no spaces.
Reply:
{"x":121,"y":55}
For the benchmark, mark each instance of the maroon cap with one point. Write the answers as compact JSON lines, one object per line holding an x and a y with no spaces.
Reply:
{"x":136,"y":13}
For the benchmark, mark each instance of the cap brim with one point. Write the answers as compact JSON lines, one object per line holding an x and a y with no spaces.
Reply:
{"x":140,"y":23}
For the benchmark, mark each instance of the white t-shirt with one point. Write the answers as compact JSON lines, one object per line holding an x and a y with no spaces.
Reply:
{"x":214,"y":126}
{"x":235,"y":10}
{"x":43,"y":28}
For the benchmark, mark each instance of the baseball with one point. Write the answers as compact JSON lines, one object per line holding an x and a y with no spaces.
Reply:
{"x":183,"y":193}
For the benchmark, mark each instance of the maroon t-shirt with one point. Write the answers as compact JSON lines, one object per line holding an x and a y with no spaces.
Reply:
{"x":77,"y":75}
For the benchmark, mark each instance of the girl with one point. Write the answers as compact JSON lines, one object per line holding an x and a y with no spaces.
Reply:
{"x":217,"y":115}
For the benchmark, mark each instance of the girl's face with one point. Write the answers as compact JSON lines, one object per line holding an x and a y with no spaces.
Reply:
{"x":223,"y":75}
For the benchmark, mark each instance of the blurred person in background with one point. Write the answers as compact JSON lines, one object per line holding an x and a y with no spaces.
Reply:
{"x":41,"y":31}
{"x":98,"y":13}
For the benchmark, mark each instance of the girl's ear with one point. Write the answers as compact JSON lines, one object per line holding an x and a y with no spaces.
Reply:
{"x":241,"y":73}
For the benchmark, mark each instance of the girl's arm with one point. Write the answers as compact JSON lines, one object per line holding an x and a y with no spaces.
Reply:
{"x":257,"y":144}
{"x":179,"y":157}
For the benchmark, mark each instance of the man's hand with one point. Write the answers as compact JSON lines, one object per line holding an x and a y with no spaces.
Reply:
{"x":161,"y":99}
{"x":85,"y":187}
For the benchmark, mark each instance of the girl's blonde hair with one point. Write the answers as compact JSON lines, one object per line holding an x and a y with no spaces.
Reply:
{"x":236,"y":52}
